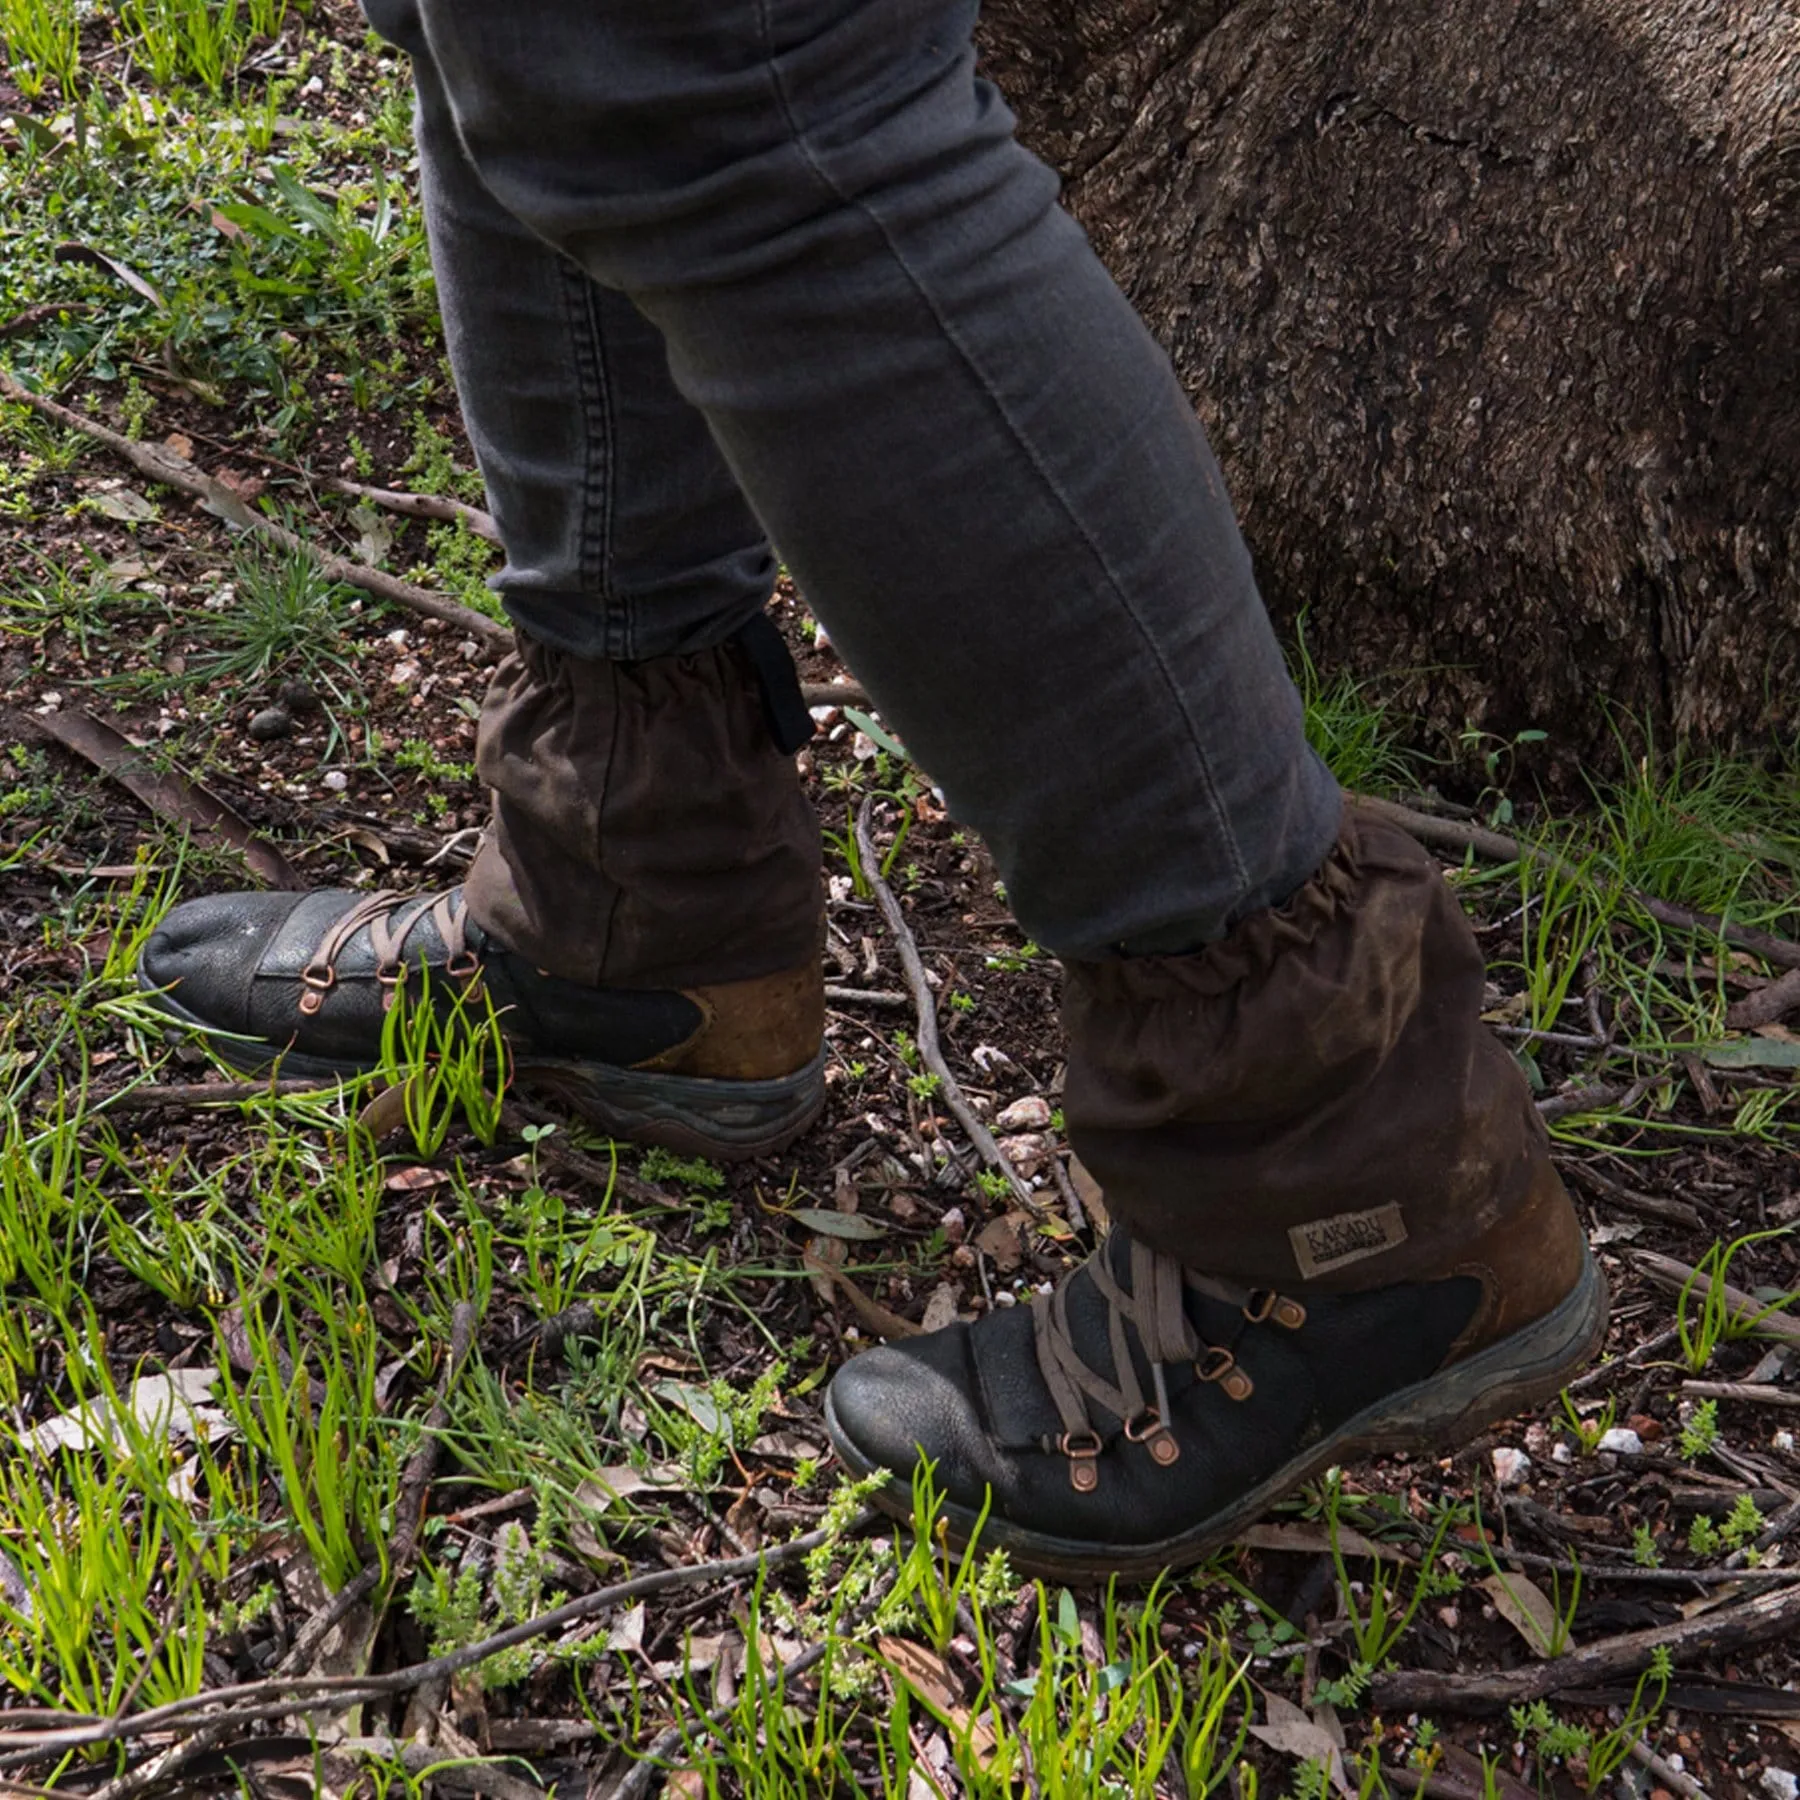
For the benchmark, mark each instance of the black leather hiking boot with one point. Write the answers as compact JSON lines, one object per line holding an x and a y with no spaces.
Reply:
{"x":644,"y":913}
{"x":1339,"y":1231}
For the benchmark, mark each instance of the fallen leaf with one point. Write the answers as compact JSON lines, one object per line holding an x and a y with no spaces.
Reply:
{"x":1003,"y":1239}
{"x":852,"y":1226}
{"x":928,"y":1675}
{"x":98,"y":259}
{"x":869,"y":1313}
{"x":114,"y":500}
{"x":1315,"y":1540}
{"x":168,"y":1405}
{"x":628,"y":1634}
{"x":415,"y":1179}
{"x":1754,"y":1053}
{"x":1526,"y":1607}
{"x":697,"y":1403}
{"x":167,"y":792}
{"x":1291,"y":1732}
{"x":940,"y":1308}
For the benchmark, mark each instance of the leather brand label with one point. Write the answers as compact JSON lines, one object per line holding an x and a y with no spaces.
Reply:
{"x":1324,"y":1245}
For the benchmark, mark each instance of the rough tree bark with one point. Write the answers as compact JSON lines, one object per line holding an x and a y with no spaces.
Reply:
{"x":1492,"y":309}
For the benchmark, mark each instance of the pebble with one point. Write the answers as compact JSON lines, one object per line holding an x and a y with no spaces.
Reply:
{"x":1030,"y":1114}
{"x":1510,"y":1466}
{"x":297,"y":697}
{"x":335,"y":779}
{"x":1780,"y":1784}
{"x":271,"y":723}
{"x":1622,"y":1439}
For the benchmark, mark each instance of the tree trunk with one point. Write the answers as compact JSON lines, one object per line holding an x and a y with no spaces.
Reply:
{"x":1491,"y":308}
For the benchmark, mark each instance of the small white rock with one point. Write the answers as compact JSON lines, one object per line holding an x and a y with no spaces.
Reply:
{"x":335,"y":779}
{"x":1510,"y":1466}
{"x":1622,"y":1439}
{"x":1030,"y":1114}
{"x":1561,"y":1453}
{"x":1780,"y":1784}
{"x":1782,"y":1440}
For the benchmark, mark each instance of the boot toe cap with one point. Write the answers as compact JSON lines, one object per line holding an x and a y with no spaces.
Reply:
{"x":206,"y":953}
{"x":893,"y":1407}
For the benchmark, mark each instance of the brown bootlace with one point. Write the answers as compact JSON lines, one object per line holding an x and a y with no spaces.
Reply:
{"x":390,"y":918}
{"x":1154,"y":1309}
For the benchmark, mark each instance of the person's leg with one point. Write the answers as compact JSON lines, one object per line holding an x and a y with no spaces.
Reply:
{"x":973,"y":456}
{"x":645,"y":906}
{"x":1338,"y":1223}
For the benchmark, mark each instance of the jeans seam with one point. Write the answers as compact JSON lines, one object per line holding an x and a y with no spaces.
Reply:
{"x":599,"y":457}
{"x":1209,"y":787}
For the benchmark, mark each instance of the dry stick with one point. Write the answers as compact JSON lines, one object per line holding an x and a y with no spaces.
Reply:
{"x":210,"y":1093}
{"x":1452,"y":834}
{"x":1756,"y":1393}
{"x":515,"y":1116}
{"x":1738,"y":1627}
{"x":423,"y":506}
{"x":415,"y":1480}
{"x":1677,"y":1212}
{"x":923,"y":999}
{"x":1667,"y":1272}
{"x":634,"y":1784}
{"x":162,"y":464}
{"x":276,"y":1697}
{"x":867,"y":997}
{"x":1766,"y":1004}
{"x":1672,"y":1778}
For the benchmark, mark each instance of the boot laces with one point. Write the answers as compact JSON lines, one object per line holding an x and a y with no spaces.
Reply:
{"x":390,"y":919}
{"x":1155,"y":1310}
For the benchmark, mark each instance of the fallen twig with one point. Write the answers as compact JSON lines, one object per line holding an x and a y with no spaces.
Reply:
{"x":847,"y":996}
{"x":1677,"y":1212}
{"x":162,"y":464}
{"x":423,"y":506}
{"x":1632,"y":1359}
{"x":1595,"y":1099}
{"x":606,"y":1175}
{"x":278,"y":1696}
{"x":1756,"y":1393}
{"x":1674,"y":1779}
{"x":930,"y":1053}
{"x":1495,"y":846}
{"x":215,"y":1093}
{"x":1767,"y":1004}
{"x":1758,"y":1620}
{"x":1669,"y":1272}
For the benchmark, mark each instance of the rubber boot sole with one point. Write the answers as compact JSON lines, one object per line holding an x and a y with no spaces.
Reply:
{"x":1435,"y":1415}
{"x":726,"y":1121}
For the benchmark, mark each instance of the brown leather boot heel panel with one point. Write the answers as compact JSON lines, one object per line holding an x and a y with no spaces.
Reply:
{"x":1527,"y":1263}
{"x":755,"y":1030}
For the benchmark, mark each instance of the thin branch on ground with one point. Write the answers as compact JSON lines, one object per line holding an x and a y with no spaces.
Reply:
{"x":1675,"y":1212}
{"x":1495,"y":846}
{"x":930,"y":1052}
{"x":279,"y":1696}
{"x":161,"y":464}
{"x":1759,"y":1620}
{"x":1671,"y":1273}
{"x":422,"y":506}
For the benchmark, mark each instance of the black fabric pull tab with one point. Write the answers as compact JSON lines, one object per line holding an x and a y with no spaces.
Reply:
{"x":784,"y":708}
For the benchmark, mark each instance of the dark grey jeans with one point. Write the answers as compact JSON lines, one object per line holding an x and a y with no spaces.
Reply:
{"x":721,"y":272}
